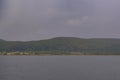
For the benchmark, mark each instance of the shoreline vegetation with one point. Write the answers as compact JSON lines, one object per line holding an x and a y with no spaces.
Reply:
{"x":52,"y":53}
{"x":40,"y":53}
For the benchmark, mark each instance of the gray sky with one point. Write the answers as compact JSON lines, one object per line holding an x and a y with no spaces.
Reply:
{"x":42,"y":19}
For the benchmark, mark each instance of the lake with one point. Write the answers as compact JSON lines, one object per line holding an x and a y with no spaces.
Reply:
{"x":59,"y":67}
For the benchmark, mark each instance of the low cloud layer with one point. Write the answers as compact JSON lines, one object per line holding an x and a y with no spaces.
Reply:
{"x":42,"y":19}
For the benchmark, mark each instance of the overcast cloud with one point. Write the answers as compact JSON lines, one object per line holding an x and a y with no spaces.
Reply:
{"x":43,"y":19}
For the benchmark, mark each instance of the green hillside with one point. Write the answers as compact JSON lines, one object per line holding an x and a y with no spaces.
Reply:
{"x":64,"y":44}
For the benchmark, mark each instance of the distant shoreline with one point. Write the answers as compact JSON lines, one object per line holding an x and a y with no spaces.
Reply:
{"x":59,"y":55}
{"x":55,"y":53}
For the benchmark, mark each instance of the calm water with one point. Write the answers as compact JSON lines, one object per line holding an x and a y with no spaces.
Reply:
{"x":59,"y":67}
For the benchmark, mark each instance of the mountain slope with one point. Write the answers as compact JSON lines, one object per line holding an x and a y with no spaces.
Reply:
{"x":67,"y":44}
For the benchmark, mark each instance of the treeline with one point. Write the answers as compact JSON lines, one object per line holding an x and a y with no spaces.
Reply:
{"x":62,"y":45}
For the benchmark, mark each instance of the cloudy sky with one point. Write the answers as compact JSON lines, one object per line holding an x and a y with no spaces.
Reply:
{"x":43,"y":19}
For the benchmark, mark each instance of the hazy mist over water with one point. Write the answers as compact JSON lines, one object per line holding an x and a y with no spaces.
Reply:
{"x":59,"y":68}
{"x":42,"y":19}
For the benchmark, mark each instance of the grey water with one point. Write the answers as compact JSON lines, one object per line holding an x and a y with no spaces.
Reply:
{"x":59,"y":67}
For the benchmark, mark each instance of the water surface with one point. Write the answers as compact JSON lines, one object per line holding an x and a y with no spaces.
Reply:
{"x":59,"y":67}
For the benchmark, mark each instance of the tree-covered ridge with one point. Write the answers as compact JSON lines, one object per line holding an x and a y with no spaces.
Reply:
{"x":64,"y":44}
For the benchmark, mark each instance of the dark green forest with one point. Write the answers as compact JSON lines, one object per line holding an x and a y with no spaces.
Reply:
{"x":63,"y":45}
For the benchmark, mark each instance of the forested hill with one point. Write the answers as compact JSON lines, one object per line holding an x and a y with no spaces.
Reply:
{"x":64,"y":44}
